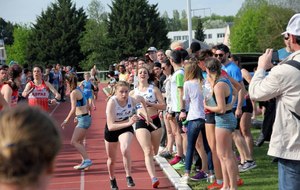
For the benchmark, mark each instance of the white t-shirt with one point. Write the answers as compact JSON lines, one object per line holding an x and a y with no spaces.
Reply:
{"x":194,"y":99}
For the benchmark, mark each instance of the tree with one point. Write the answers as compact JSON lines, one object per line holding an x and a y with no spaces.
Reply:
{"x":214,"y":24}
{"x":258,"y":26}
{"x":94,"y":41}
{"x":17,"y":51}
{"x":134,"y":26}
{"x":55,"y":36}
{"x":176,"y":21}
{"x":289,"y":4}
{"x":6,"y":32}
{"x":199,"y":34}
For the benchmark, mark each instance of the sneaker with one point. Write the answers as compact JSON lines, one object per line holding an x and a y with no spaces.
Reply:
{"x":130,"y":182}
{"x":240,"y":182}
{"x":175,"y":160}
{"x":166,"y":154}
{"x":155,"y":182}
{"x":199,"y":176}
{"x":179,"y":165}
{"x":247,"y":166}
{"x":113,"y":184}
{"x":240,"y":167}
{"x":184,"y":179}
{"x":84,"y":165}
{"x":161,"y":149}
{"x":215,"y":185}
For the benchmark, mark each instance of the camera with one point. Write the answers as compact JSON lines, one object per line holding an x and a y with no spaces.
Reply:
{"x":275,"y":57}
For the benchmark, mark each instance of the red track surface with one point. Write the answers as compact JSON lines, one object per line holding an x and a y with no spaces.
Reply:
{"x":96,"y":178}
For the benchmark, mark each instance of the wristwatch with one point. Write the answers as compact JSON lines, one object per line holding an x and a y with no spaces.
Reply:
{"x":183,"y":110}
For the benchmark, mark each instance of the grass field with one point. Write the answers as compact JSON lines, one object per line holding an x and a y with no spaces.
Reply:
{"x":263,"y":177}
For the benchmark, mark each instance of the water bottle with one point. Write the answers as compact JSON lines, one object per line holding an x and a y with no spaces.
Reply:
{"x":184,"y":125}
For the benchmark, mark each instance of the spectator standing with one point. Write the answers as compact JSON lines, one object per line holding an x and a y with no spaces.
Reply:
{"x":225,"y":121}
{"x":28,"y":149}
{"x":222,"y":54}
{"x":282,"y":83}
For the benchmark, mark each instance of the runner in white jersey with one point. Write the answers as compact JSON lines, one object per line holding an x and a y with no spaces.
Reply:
{"x":149,"y":135}
{"x":120,"y":113}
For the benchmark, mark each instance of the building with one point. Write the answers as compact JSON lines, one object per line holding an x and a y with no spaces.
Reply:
{"x":2,"y":52}
{"x":212,"y":36}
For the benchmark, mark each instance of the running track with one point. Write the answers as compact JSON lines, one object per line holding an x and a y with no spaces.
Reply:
{"x":96,"y":178}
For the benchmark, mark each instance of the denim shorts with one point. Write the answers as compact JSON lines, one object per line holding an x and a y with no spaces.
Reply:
{"x":226,"y":121}
{"x":84,"y":121}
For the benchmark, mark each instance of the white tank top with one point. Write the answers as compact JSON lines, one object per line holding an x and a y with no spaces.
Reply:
{"x":125,"y":112}
{"x":149,"y":95}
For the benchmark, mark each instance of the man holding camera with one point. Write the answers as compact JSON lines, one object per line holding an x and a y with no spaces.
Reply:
{"x":282,"y":83}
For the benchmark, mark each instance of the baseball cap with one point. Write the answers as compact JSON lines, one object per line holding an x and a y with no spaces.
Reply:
{"x":293,"y":26}
{"x":151,"y":49}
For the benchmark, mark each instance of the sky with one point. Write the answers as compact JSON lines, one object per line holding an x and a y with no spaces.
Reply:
{"x":26,"y":11}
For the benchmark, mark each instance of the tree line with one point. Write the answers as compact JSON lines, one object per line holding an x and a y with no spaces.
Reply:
{"x":70,"y":36}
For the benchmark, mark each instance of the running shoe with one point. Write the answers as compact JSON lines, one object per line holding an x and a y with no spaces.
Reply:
{"x":214,"y":185}
{"x":179,"y":165}
{"x":184,"y":179}
{"x":84,"y":165}
{"x":201,"y":175}
{"x":248,"y":165}
{"x":113,"y":184}
{"x":175,"y":160}
{"x":166,"y":154}
{"x":130,"y":182}
{"x":155,"y":182}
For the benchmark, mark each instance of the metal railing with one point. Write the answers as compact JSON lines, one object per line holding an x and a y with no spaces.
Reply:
{"x":102,"y":75}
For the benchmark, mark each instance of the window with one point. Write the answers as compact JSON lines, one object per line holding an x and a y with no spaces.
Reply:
{"x":185,"y":37}
{"x":220,"y":35}
{"x":176,"y":38}
{"x":209,"y":36}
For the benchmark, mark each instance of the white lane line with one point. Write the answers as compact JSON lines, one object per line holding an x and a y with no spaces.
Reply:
{"x":54,"y":109}
{"x":84,"y":143}
{"x":82,"y":172}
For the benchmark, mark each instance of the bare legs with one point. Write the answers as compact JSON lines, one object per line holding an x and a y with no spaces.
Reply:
{"x":111,"y":151}
{"x":227,"y":158}
{"x":211,"y":138}
{"x":77,"y":141}
{"x":150,"y":144}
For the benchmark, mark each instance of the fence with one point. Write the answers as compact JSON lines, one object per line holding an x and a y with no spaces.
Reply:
{"x":102,"y":75}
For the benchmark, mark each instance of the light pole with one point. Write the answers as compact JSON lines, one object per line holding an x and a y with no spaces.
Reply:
{"x":189,"y":22}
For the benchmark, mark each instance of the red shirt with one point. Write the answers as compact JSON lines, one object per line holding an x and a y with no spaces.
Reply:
{"x":39,"y":96}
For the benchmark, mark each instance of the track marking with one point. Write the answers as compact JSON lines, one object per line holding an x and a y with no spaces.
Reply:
{"x":82,"y":172}
{"x":54,"y":109}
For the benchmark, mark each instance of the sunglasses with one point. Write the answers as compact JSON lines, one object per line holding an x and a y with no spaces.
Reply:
{"x":286,"y":36}
{"x":219,"y":55}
